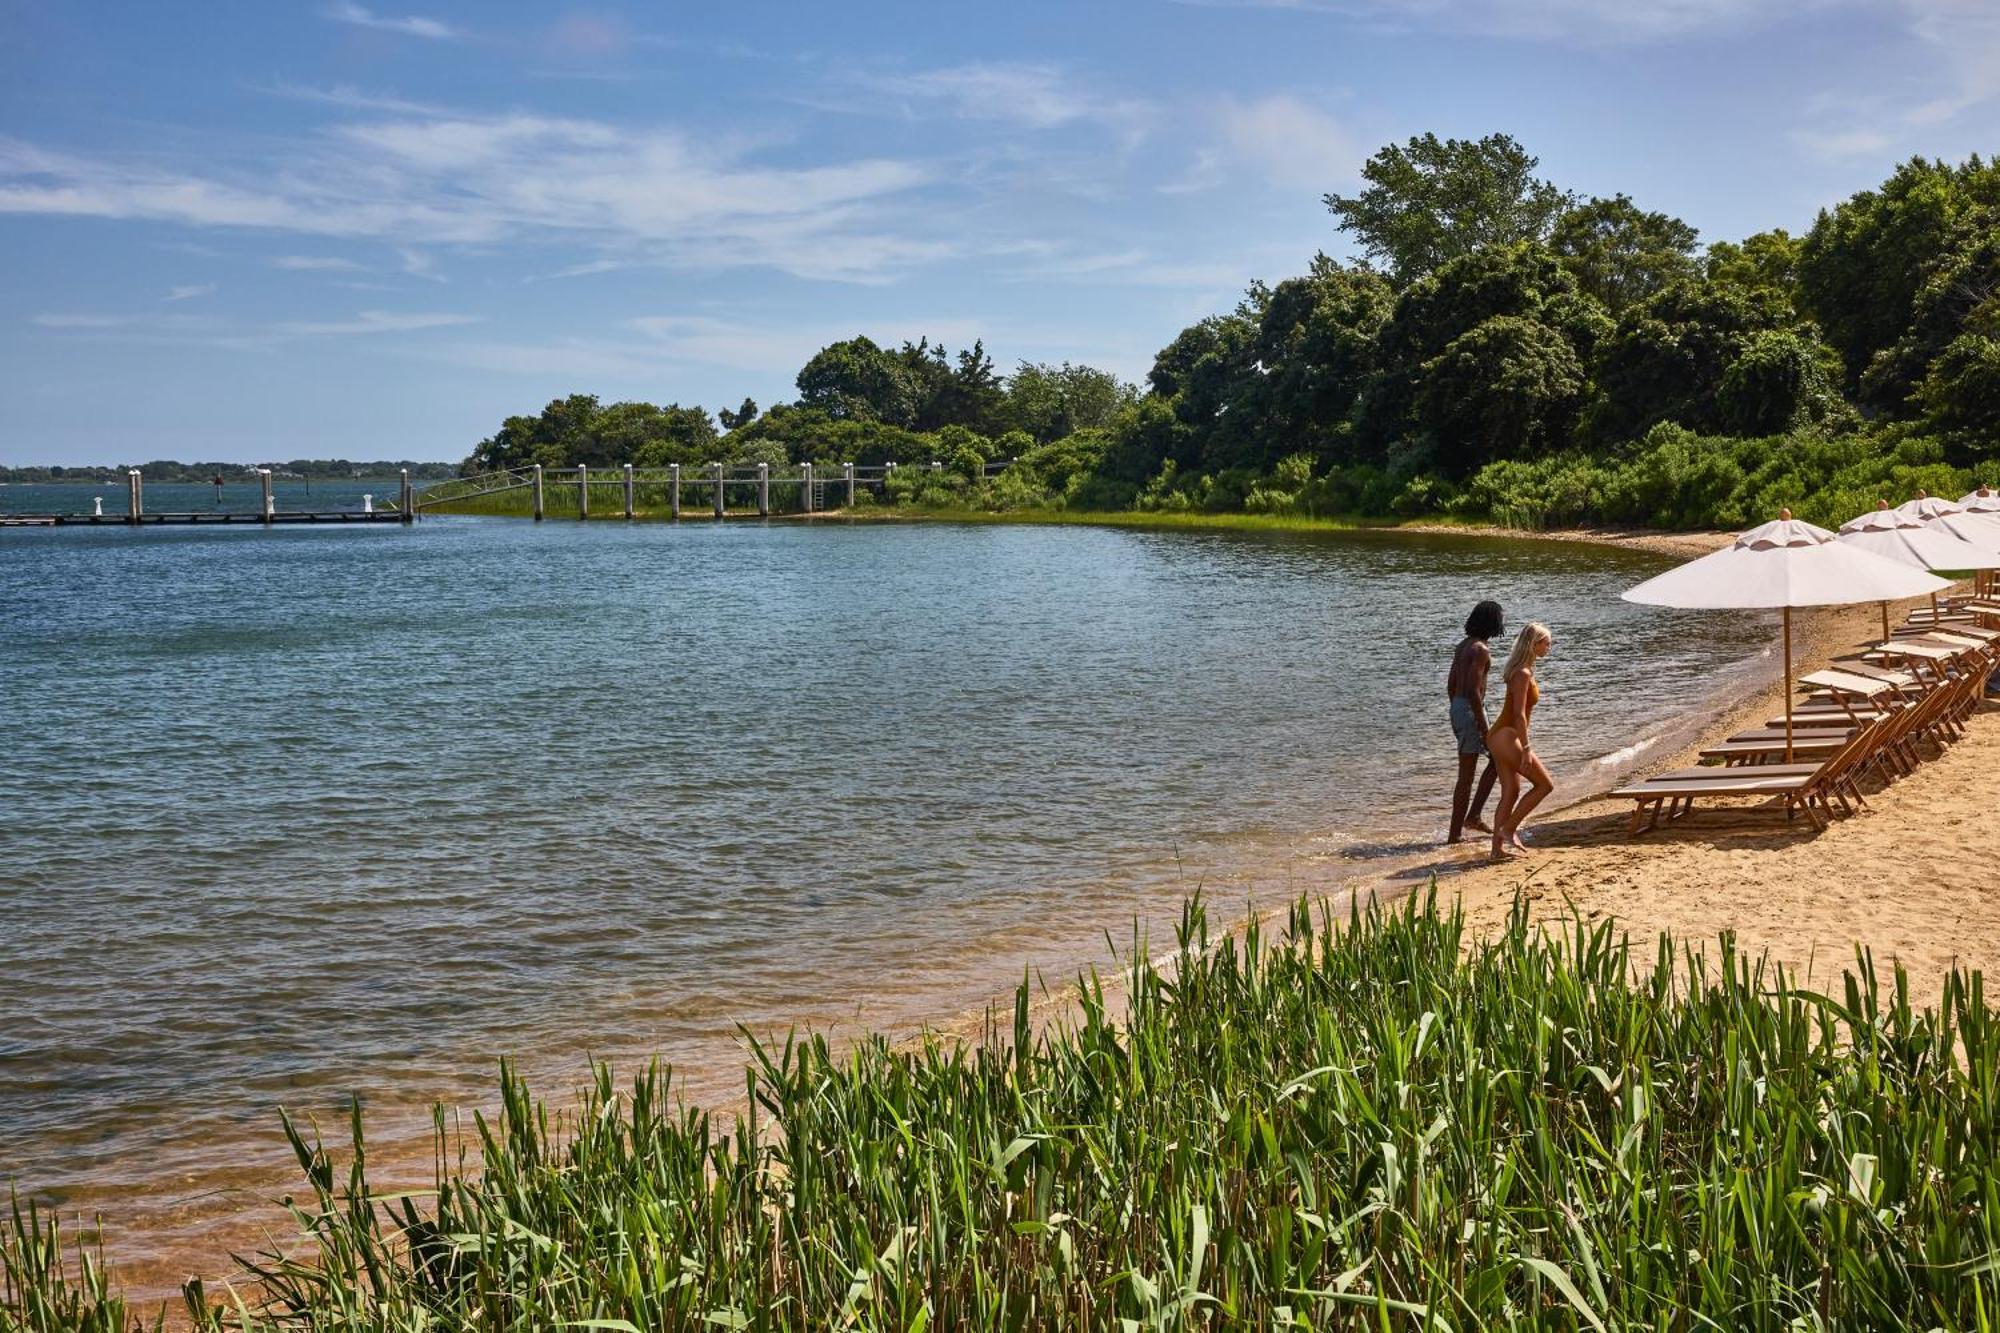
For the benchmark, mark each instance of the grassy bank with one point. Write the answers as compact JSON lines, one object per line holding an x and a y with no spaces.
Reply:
{"x":1353,"y":1127}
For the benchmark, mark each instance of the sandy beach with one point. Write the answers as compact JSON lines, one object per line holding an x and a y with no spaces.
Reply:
{"x":1913,"y":880}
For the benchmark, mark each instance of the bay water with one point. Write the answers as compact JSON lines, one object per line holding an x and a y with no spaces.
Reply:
{"x":294,"y":816}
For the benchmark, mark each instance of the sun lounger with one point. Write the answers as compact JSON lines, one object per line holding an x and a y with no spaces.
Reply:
{"x":1764,"y":749}
{"x":1808,"y":788}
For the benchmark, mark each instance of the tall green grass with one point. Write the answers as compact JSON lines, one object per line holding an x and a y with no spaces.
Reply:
{"x":1353,"y":1124}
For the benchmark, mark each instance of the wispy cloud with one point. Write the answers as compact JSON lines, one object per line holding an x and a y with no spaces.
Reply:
{"x":1289,"y":142}
{"x":409,"y":26}
{"x":208,"y":330}
{"x":188,"y":293}
{"x":1964,"y":36}
{"x":1034,"y":96}
{"x":1959,"y":42}
{"x":1571,"y":21}
{"x":658,"y":195}
{"x":419,"y":265}
{"x":314,"y":264}
{"x":371,"y":322}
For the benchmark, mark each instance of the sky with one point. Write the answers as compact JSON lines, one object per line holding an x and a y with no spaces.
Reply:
{"x":255,"y":231}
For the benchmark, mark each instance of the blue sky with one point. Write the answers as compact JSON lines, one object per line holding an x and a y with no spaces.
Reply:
{"x":264,"y":230}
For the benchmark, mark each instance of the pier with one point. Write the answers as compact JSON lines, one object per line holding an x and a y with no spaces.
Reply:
{"x":716,"y":489}
{"x":267,"y":515}
{"x":719,"y":490}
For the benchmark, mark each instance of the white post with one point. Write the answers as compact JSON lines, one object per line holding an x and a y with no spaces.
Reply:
{"x":847,"y":475}
{"x":132,"y":496}
{"x":264,"y":477}
{"x":367,"y":504}
{"x":582,"y":490}
{"x":538,"y":492}
{"x":674,"y":479}
{"x":97,"y":506}
{"x":718,"y":490}
{"x":407,"y":503}
{"x":763,"y":490}
{"x":806,"y":485}
{"x":628,"y":490}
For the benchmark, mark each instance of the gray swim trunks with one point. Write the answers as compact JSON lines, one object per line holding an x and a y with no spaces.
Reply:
{"x":1465,"y":726}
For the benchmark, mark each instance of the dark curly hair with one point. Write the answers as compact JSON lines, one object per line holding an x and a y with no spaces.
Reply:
{"x":1484,"y":622}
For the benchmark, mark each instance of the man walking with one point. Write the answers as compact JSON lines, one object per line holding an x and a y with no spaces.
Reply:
{"x":1466,"y":688}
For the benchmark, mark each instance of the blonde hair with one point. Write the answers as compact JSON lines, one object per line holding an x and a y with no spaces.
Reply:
{"x":1531,"y":634}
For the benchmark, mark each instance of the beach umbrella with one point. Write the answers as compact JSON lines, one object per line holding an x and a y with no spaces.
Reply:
{"x":1909,"y":540}
{"x":1784,"y":564}
{"x":1985,"y":500}
{"x":1978,"y":527}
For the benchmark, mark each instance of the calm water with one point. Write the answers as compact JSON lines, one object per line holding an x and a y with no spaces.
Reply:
{"x":296,"y":814}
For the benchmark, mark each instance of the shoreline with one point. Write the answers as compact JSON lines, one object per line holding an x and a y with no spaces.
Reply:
{"x":1340,"y":876}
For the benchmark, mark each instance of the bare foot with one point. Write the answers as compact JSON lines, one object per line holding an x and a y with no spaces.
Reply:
{"x":1514,"y":840}
{"x":1477,"y":825}
{"x":1503,"y":851}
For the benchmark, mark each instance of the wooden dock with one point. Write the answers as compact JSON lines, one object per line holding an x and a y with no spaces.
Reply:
{"x":269,"y":515}
{"x":277,"y":516}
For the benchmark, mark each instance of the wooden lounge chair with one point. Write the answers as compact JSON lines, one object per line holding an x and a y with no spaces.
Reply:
{"x":1808,"y":788}
{"x":1766,"y":747}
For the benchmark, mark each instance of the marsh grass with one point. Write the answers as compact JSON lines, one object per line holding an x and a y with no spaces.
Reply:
{"x":1352,"y":1122}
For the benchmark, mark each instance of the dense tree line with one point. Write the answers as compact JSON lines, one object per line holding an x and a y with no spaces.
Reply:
{"x":1503,"y":346}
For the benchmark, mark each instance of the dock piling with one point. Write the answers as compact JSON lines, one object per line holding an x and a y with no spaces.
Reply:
{"x":806,"y":486}
{"x":406,"y":501}
{"x":628,"y":490}
{"x":132,"y":501}
{"x":763,"y":490}
{"x":264,"y":478}
{"x":718,"y":490}
{"x":847,"y":475}
{"x":674,"y":483}
{"x":538,"y":492}
{"x":582,"y":491}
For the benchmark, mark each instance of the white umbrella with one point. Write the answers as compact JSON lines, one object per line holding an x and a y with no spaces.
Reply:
{"x":1981,"y":529}
{"x":1909,"y":540}
{"x":1985,"y":500}
{"x":1784,"y":564}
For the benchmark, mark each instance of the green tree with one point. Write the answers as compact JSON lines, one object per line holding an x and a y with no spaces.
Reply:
{"x":1779,"y":379}
{"x":1050,"y":401}
{"x":970,"y":394}
{"x":741,"y":417}
{"x":856,"y":380}
{"x":1506,"y":387}
{"x":1864,"y":262}
{"x":1521,"y":282}
{"x":1960,"y":396}
{"x":1768,"y":259}
{"x":1432,"y":200}
{"x":1959,"y":294}
{"x":1621,"y":253}
{"x":1666,"y":360}
{"x":1316,"y":345}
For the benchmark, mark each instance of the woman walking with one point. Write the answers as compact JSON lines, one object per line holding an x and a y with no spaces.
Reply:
{"x":1507,"y":741}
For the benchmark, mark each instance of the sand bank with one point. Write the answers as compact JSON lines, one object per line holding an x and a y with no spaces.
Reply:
{"x":1915,"y":879}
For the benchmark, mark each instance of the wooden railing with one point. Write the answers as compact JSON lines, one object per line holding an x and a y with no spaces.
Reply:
{"x":692,"y":488}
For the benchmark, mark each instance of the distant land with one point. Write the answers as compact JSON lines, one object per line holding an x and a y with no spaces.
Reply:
{"x":162,"y":470}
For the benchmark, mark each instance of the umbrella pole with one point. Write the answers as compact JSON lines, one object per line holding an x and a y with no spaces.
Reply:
{"x":1788,"y":684}
{"x":1885,"y":620}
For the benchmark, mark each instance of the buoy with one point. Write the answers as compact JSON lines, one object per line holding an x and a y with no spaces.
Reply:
{"x":98,"y":502}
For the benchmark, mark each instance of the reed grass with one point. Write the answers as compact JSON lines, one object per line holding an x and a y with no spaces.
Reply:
{"x":1351,"y":1123}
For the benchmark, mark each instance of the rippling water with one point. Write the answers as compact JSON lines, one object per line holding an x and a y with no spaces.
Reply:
{"x":293,"y":815}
